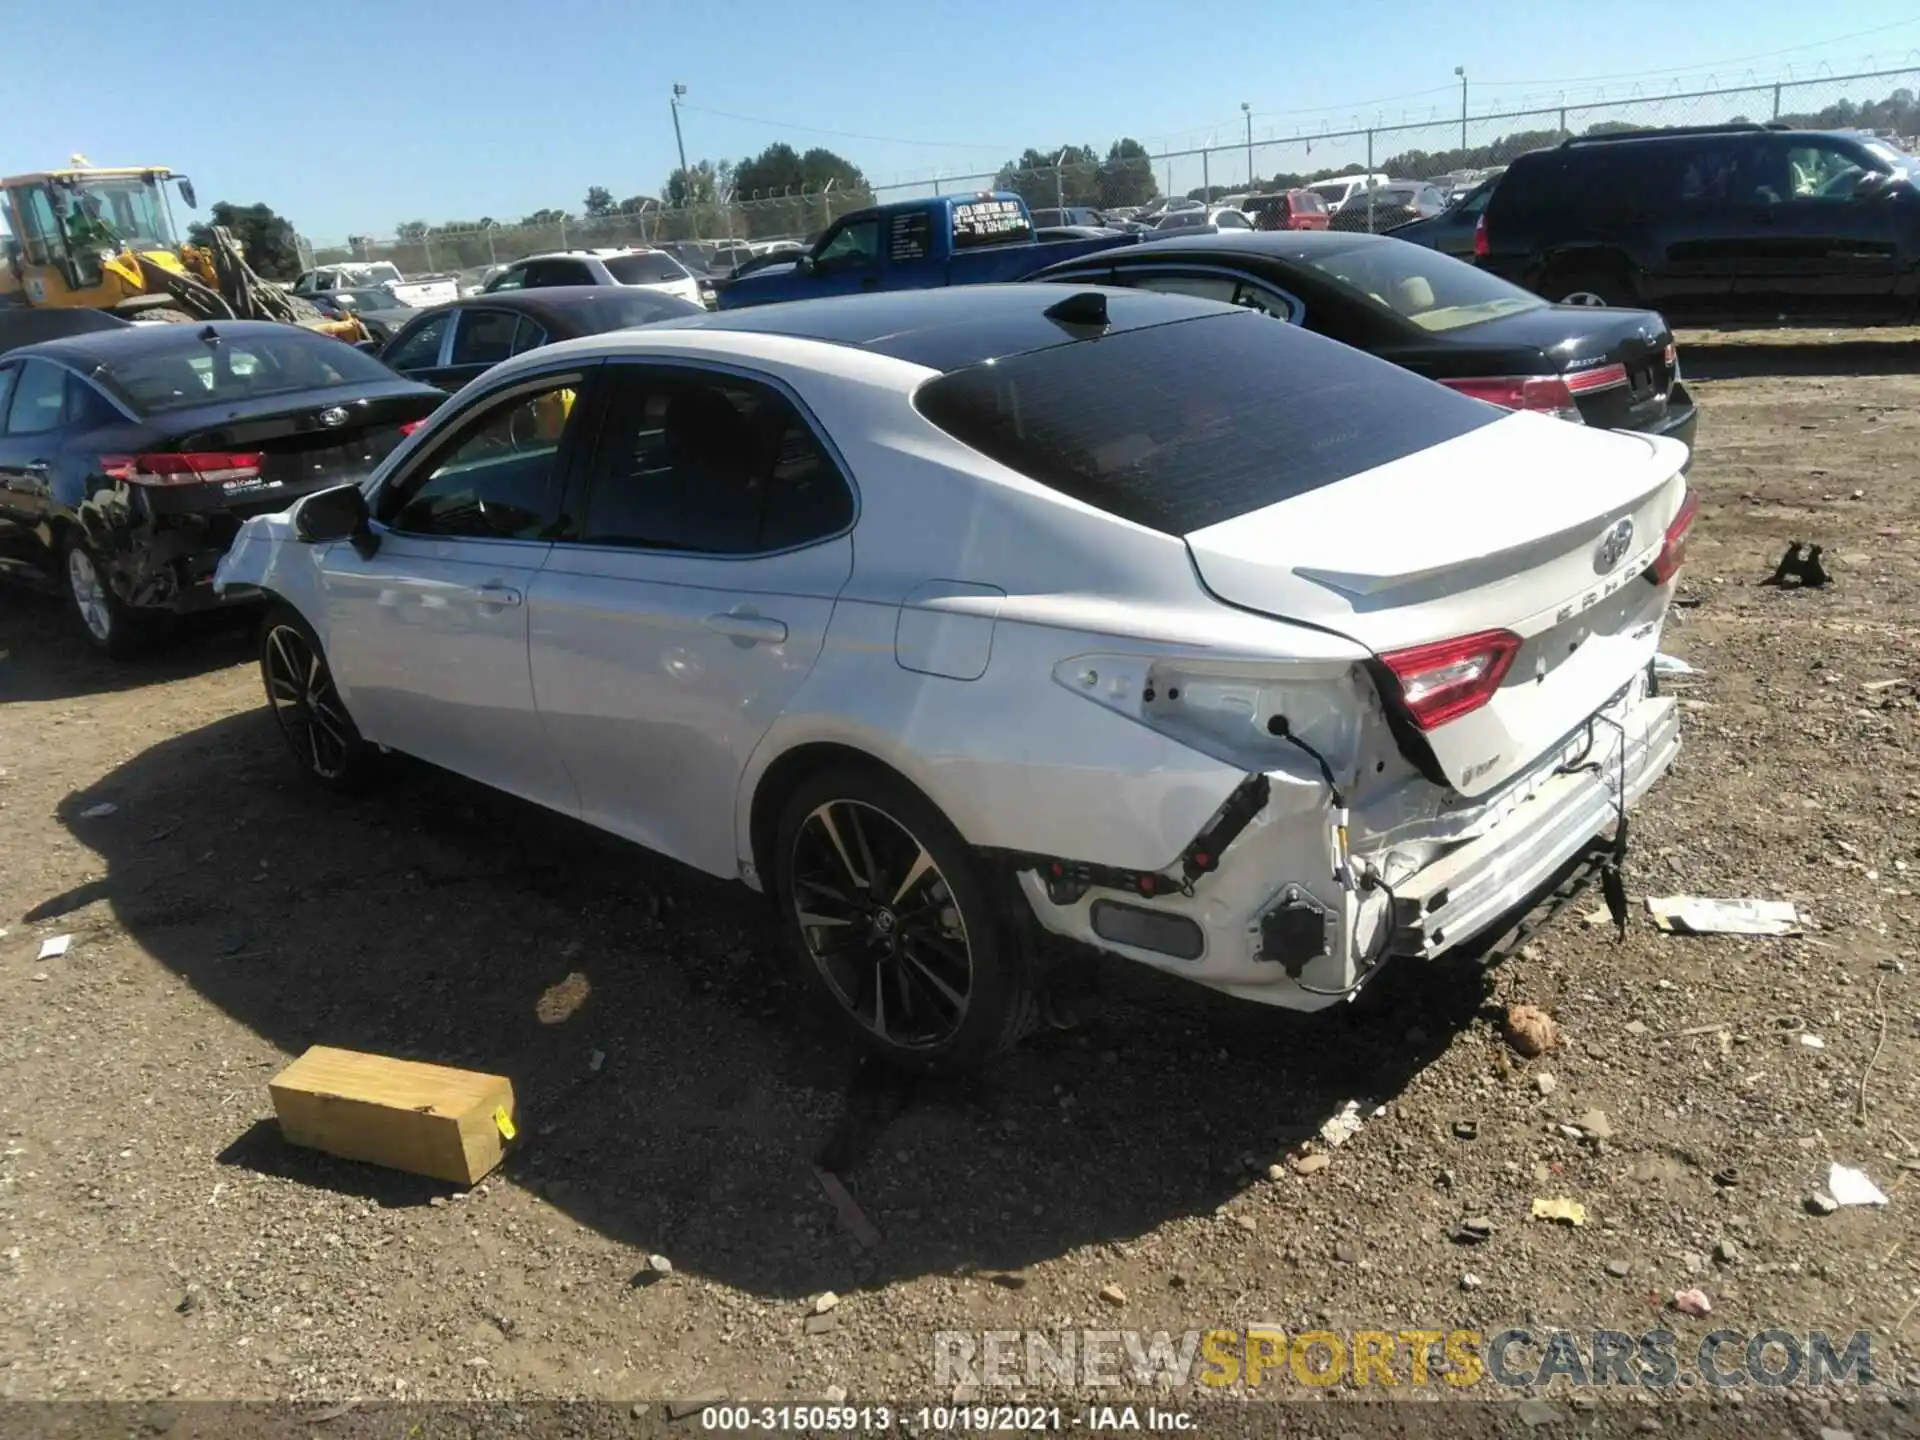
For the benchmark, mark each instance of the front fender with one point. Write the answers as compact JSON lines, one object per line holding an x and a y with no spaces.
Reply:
{"x":254,"y":558}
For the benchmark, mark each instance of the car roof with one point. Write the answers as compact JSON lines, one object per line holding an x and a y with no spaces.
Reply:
{"x":1302,"y":245}
{"x":107,"y":347}
{"x":954,"y":327}
{"x":22,"y":327}
{"x":548,"y":302}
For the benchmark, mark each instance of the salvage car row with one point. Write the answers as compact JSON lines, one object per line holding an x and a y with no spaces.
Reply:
{"x":1101,"y":606}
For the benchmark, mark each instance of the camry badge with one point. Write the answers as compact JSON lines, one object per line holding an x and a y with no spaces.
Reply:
{"x":332,"y":417}
{"x":1613,"y":546}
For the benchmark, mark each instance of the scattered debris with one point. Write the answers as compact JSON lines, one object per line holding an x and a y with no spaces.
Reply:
{"x":1530,"y":1030}
{"x":1472,"y":1230}
{"x":1312,"y":1164}
{"x":1636,"y":1027}
{"x":1247,"y":1223}
{"x":595,"y":1060}
{"x":100,"y":811}
{"x":1802,"y":566}
{"x":1619,"y":1269}
{"x":1812,"y":1041}
{"x":1469,"y":1281}
{"x":1277,"y":1171}
{"x":1692,"y":915}
{"x":1466,"y":1129}
{"x":428,"y":1120}
{"x":1820,"y":1203}
{"x":823,"y":1302}
{"x":1726,"y":1177}
{"x":1692,"y":1302}
{"x":836,"y":1394}
{"x":1342,"y":1125}
{"x":820,"y":1324}
{"x":1561,"y":1211}
{"x":1344,"y":1252}
{"x":852,"y":1217}
{"x":1727,"y":1253}
{"x":694,"y":1404}
{"x":1672,"y":665}
{"x":187,"y":1302}
{"x":1848,"y":1186}
{"x":659,"y":1265}
{"x":54,"y":946}
{"x":1544,"y":1083}
{"x":1113,"y":1295}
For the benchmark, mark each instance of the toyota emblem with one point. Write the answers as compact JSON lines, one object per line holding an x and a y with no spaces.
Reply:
{"x":336,"y":416}
{"x":1613,"y":546}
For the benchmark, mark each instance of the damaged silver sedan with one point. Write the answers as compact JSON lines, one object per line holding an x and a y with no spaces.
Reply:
{"x":947,"y":616}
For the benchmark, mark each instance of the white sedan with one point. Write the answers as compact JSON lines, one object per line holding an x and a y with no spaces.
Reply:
{"x":946,"y":615}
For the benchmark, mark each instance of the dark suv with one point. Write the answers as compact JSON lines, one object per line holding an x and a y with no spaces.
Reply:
{"x":1741,"y":223}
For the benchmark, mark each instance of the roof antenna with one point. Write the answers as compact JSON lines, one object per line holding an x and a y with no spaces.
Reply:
{"x":210,"y":336}
{"x":1087,"y":307}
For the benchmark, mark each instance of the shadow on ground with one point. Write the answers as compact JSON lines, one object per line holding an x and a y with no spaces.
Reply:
{"x":43,"y":655}
{"x":437,"y":920}
{"x":1733,"y":359}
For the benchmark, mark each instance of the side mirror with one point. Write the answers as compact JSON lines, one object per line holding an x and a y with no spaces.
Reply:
{"x":327,"y":516}
{"x":805,"y":265}
{"x":186,"y":193}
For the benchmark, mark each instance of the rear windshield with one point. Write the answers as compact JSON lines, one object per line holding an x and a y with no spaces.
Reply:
{"x":1180,"y":426}
{"x":989,"y":222}
{"x":617,"y":312}
{"x":652,"y":269}
{"x":192,"y":372}
{"x":1434,"y":291}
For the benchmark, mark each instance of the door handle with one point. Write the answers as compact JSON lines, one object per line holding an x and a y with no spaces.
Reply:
{"x":754,"y":629}
{"x":494,"y":593}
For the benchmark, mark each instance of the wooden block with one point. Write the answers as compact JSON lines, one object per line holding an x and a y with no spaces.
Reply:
{"x":425,"y":1119}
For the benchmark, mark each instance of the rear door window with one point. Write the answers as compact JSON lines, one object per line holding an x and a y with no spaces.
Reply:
{"x":420,"y":350}
{"x":484,"y":337}
{"x":1179,"y":426}
{"x":39,"y":398}
{"x":6,"y":391}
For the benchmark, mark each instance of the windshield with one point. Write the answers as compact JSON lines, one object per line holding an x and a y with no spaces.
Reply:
{"x":190,"y":372}
{"x":1434,"y":291}
{"x":132,"y":210}
{"x":652,"y":268}
{"x":1899,"y":163}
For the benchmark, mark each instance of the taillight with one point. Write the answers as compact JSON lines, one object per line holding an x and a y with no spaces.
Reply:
{"x":1672,"y":356}
{"x":1673,"y":551}
{"x":198,"y":467}
{"x":1601,"y":377}
{"x":1443,"y":681}
{"x":1480,"y":237}
{"x":407,"y":427}
{"x":1548,"y":394}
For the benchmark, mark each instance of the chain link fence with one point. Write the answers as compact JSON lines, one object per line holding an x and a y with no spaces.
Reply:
{"x":1438,"y":147}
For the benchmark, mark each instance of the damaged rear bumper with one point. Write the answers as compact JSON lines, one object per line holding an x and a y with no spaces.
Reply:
{"x":1272,"y":924}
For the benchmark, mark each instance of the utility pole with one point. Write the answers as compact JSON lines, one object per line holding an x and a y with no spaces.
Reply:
{"x":1461,"y":71}
{"x":686,"y":180}
{"x":1247,"y":110}
{"x":1059,"y":193}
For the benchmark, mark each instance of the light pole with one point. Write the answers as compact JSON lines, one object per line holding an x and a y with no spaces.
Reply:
{"x":1059,"y":194}
{"x":488,"y":229}
{"x":1247,"y":110}
{"x":1461,"y":71}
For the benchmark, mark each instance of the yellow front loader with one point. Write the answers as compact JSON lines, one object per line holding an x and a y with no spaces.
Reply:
{"x":103,"y":239}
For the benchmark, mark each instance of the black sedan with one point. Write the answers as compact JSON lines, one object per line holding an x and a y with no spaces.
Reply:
{"x":450,"y":344}
{"x":129,"y":457}
{"x":378,"y":308}
{"x":1456,"y":230}
{"x":1430,"y":313}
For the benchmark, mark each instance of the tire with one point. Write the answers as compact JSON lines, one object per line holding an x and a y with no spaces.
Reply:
{"x":933,"y":978}
{"x":157,"y":314}
{"x":312,"y":718}
{"x":1588,"y":287}
{"x":112,"y":627}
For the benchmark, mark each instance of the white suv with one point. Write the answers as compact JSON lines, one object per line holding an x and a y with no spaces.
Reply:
{"x":640,"y":269}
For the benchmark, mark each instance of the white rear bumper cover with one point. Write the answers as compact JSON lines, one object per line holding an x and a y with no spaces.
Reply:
{"x":1448,"y":902}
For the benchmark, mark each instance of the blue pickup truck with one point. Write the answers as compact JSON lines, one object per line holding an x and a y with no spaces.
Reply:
{"x":914,"y":245}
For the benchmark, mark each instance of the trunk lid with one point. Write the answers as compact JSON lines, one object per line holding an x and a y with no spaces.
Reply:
{"x":1528,"y":525}
{"x":1615,"y":361}
{"x":302,"y":446}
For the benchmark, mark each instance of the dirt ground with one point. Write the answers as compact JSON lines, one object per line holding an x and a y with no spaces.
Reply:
{"x":158,"y":1239}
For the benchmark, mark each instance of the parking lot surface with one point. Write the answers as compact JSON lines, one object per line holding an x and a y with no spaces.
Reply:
{"x":157,"y":1238}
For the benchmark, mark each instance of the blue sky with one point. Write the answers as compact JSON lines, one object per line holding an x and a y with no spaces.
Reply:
{"x":442,"y":109}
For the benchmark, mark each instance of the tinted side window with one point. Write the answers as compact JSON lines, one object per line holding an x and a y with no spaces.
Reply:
{"x":497,"y":478}
{"x":6,"y":391}
{"x":87,"y":408}
{"x":513,"y":279}
{"x":856,"y":245}
{"x":39,"y":396}
{"x":909,"y":235}
{"x":713,"y":466}
{"x":528,"y":336}
{"x":484,"y":337}
{"x":421,"y":349}
{"x":544,"y":273}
